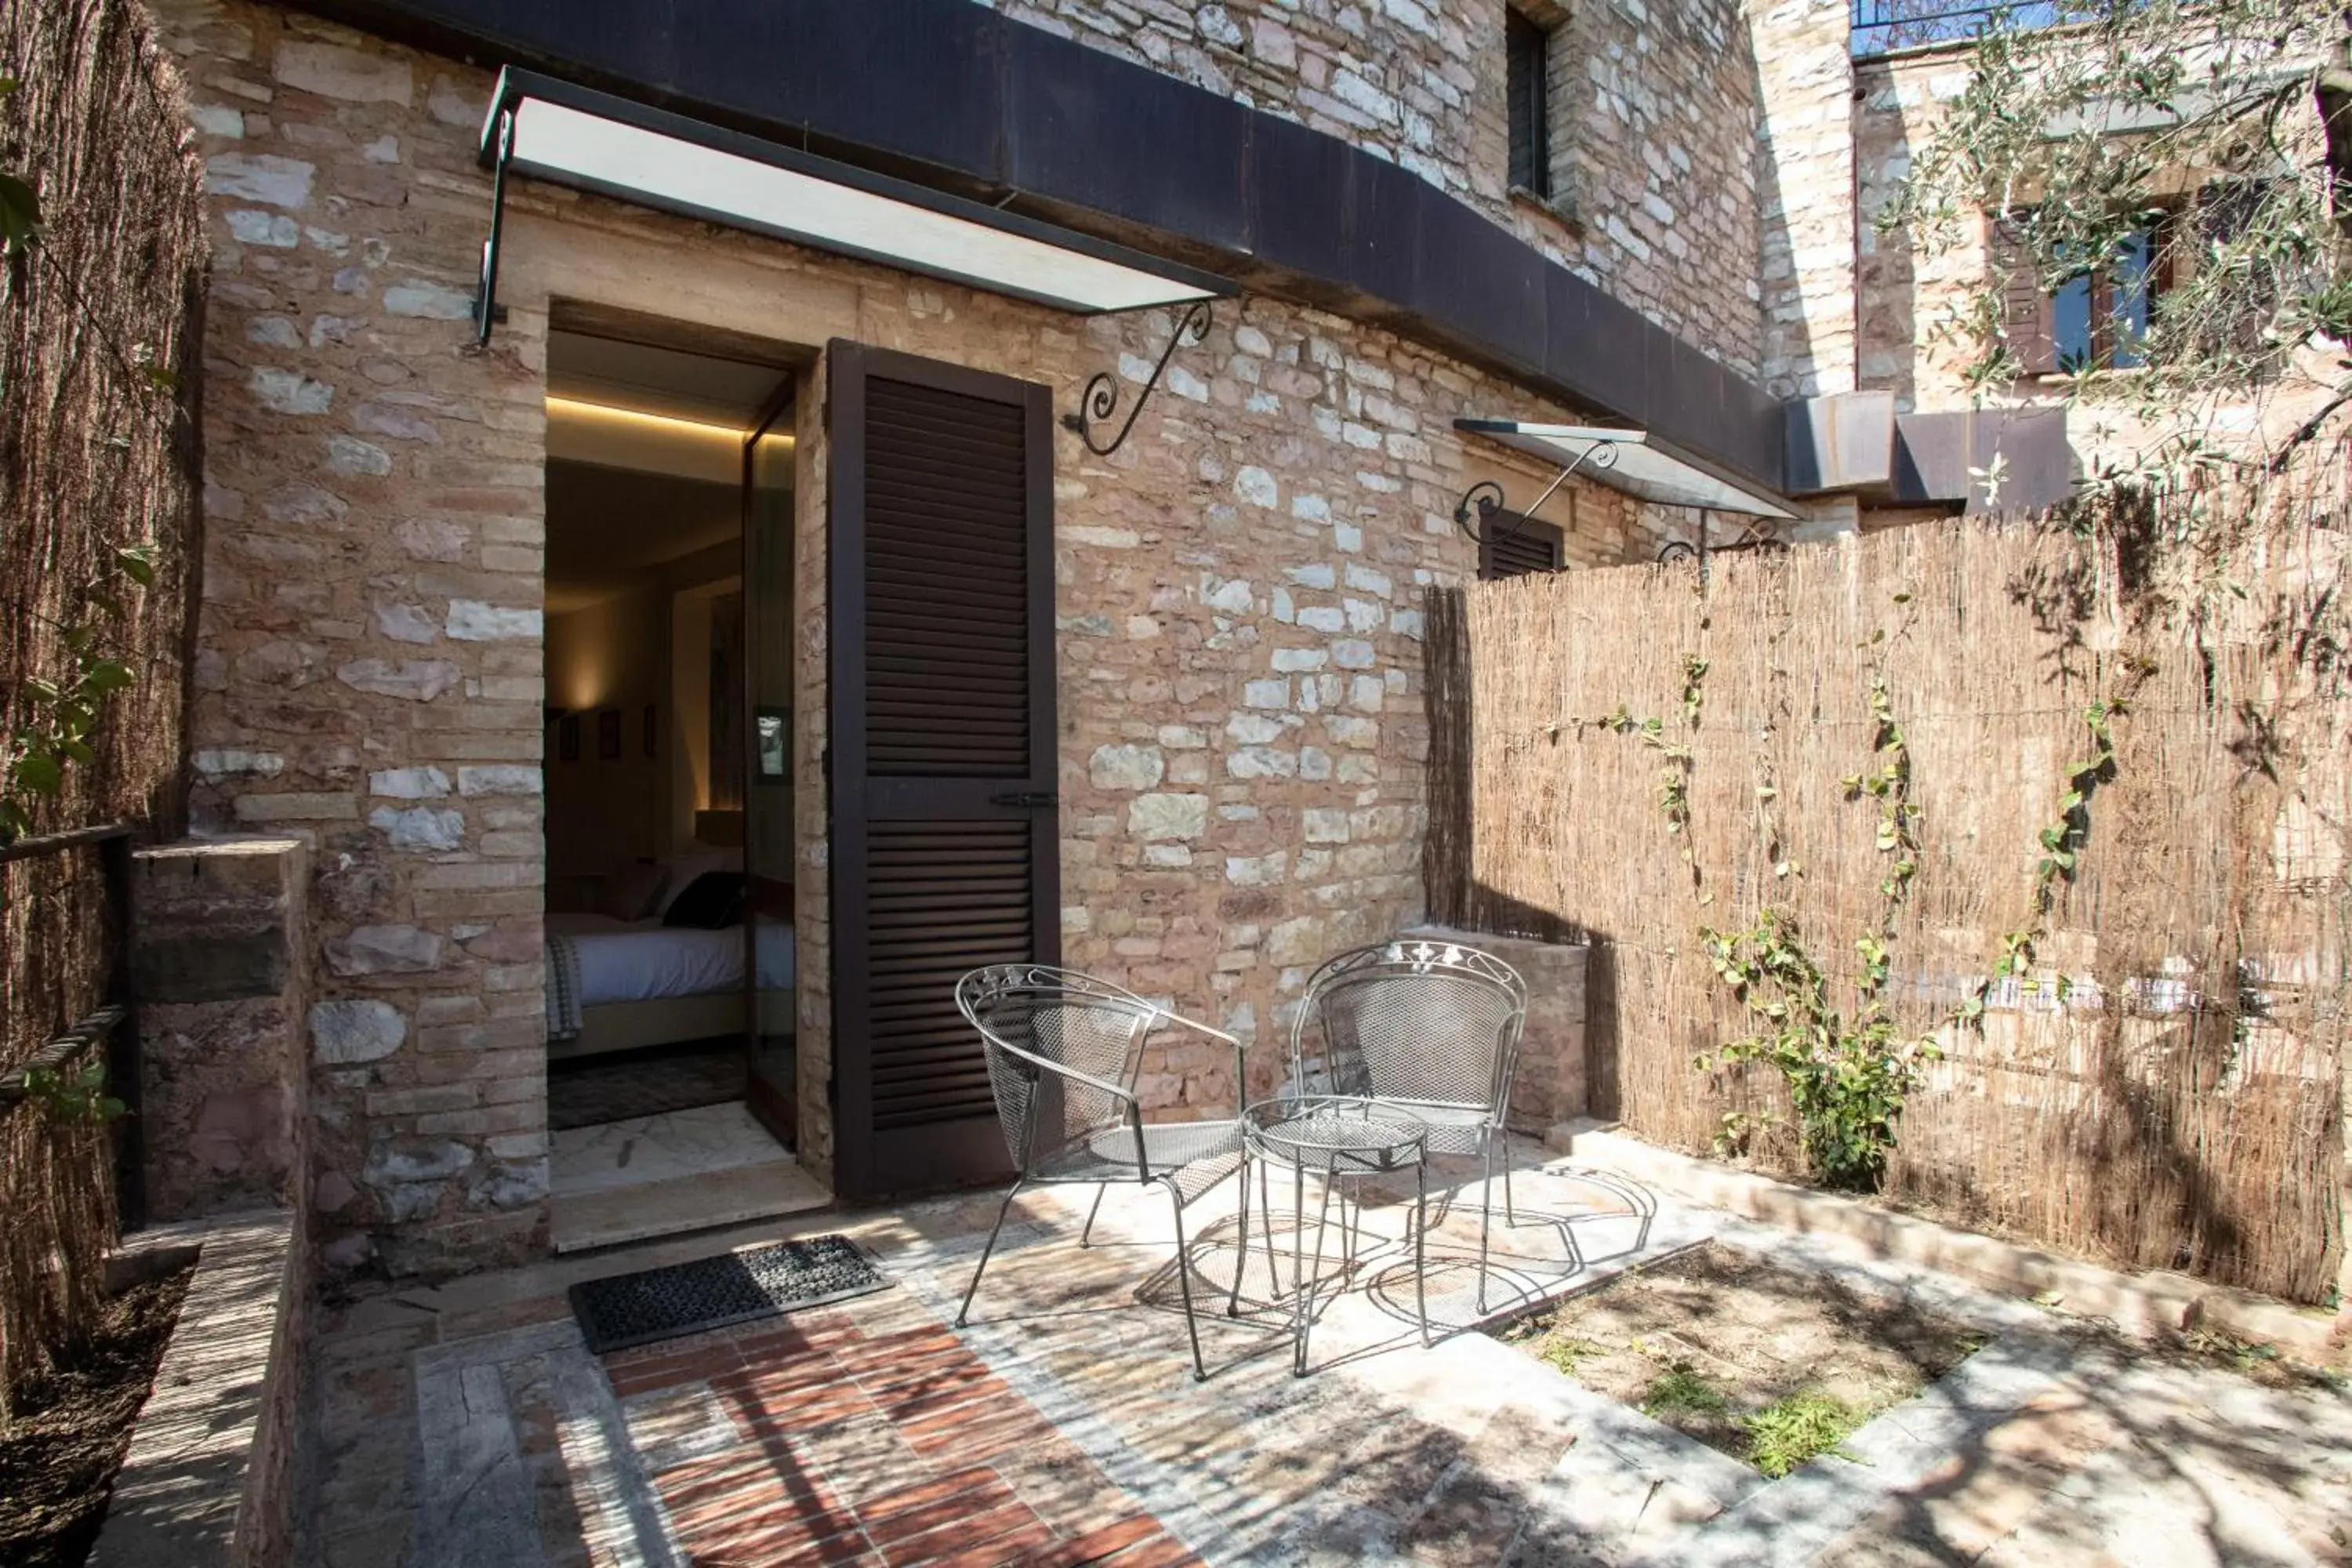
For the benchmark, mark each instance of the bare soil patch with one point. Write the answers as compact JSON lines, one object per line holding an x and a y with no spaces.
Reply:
{"x":1768,"y":1364}
{"x":59,"y":1456}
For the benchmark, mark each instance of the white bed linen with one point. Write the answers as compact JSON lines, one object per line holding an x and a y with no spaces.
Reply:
{"x":640,"y":961}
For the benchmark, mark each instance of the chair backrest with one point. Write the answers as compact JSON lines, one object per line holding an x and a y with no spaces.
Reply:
{"x":1055,"y":1039}
{"x":1433,"y":1024}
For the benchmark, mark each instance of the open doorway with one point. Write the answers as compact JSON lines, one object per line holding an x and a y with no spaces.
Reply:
{"x":669,"y":824}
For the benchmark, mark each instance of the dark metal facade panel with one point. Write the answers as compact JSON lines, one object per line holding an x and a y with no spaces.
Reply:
{"x":1094,"y":136}
{"x":1934,"y":454}
{"x":950,"y":91}
{"x":1484,"y":284}
{"x":1297,"y":199}
{"x":1380,"y":262}
{"x":1604,"y":353}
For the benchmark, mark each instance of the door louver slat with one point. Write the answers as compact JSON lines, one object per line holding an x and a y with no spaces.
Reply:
{"x":930,"y":923}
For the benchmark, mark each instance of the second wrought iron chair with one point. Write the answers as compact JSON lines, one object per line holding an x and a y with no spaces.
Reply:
{"x":1063,"y":1050}
{"x":1431,"y":1027}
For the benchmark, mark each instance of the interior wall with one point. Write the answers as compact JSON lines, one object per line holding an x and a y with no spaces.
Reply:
{"x":607,"y":658}
{"x":688,"y":666}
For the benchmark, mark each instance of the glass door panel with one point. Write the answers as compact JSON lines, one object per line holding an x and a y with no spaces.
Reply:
{"x":769,"y":833}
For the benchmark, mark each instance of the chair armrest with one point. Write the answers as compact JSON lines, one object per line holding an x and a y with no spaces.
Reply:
{"x":1062,"y":1070}
{"x":1241,"y":1083}
{"x":1195,"y":1023}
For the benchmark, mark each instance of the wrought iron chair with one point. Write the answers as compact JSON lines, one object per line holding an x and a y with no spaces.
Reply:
{"x":1431,"y":1027}
{"x":1063,"y":1049}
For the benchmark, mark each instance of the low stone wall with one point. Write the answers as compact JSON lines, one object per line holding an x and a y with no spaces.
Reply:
{"x":1550,"y":1085}
{"x":219,"y":952}
{"x":208,"y":1481}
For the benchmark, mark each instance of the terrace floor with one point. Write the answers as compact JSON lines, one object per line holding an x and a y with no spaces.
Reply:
{"x":469,"y":1424}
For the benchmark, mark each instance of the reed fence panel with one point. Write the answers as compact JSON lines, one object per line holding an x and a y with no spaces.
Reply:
{"x":98,"y":441}
{"x":2165,"y":1090}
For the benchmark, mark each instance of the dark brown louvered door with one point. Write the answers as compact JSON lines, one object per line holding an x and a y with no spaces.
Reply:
{"x":1514,"y":546}
{"x":945,"y":852}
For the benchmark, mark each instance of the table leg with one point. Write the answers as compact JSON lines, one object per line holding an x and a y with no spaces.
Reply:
{"x":1300,"y":1277}
{"x":1241,"y":1258}
{"x":1309,"y":1283}
{"x":1420,"y":1249}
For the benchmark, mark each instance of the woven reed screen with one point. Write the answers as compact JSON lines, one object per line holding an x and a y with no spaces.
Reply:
{"x":96,"y":450}
{"x":2182,"y":1106}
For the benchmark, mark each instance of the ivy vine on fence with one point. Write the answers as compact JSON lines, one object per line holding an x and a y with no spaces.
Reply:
{"x":1850,"y":1067}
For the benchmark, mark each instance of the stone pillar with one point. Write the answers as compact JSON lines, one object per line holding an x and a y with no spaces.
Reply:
{"x":217,"y":944}
{"x":1805,"y":194}
{"x":1550,"y":1085}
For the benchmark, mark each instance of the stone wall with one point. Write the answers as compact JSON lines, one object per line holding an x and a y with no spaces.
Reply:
{"x":1239,"y":594}
{"x":1653,"y":120}
{"x":217,"y":947}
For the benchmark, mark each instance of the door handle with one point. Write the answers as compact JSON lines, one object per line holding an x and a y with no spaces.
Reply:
{"x":1034,"y":797}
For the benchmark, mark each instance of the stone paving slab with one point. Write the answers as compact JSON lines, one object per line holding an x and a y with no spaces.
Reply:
{"x":1064,"y":1425}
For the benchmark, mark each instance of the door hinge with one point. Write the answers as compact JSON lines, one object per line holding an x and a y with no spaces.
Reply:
{"x":1031,"y":798}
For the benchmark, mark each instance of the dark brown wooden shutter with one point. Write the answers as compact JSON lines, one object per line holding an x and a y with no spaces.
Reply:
{"x":1515,"y":546}
{"x":2026,"y":320}
{"x":1525,"y":94}
{"x":945,"y":846}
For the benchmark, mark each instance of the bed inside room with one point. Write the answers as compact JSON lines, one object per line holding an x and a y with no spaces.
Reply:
{"x":670,"y":954}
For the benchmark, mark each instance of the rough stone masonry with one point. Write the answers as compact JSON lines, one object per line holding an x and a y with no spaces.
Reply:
{"x":1238,"y":593}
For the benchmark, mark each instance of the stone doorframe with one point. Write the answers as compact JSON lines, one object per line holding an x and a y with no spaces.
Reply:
{"x":642,"y":283}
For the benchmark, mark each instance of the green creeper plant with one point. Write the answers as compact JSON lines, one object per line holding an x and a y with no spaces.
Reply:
{"x":72,"y":1094}
{"x":1848,"y":1069}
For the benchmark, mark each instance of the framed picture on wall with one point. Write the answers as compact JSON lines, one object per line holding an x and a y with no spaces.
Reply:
{"x":608,"y":734}
{"x":772,"y":743}
{"x":567,"y":738}
{"x":653,"y":730}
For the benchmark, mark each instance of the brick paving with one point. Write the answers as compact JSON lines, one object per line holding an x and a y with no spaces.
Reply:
{"x":887,"y":1445}
{"x":469,"y":1424}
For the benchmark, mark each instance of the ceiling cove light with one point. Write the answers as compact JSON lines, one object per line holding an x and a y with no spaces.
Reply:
{"x":548,"y":129}
{"x":1631,"y":462}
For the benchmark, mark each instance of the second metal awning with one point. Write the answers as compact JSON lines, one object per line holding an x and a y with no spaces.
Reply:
{"x":1636,"y":463}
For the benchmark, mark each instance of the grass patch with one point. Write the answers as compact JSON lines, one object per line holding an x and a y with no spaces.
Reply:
{"x":1806,"y":1425}
{"x":1564,"y":1352}
{"x":1679,"y":1389}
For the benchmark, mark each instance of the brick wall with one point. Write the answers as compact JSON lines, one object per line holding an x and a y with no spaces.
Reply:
{"x":1238,"y":593}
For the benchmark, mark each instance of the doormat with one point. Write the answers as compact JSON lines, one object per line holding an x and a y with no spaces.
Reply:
{"x":591,"y":1093}
{"x":712,"y":1292}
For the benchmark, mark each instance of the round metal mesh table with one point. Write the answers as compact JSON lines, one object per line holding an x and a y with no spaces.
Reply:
{"x":1335,"y":1137}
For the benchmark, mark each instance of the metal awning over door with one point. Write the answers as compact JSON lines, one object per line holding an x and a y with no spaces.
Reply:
{"x":545,"y":129}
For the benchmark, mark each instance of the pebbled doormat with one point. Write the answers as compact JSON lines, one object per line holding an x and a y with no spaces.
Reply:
{"x":712,"y":1292}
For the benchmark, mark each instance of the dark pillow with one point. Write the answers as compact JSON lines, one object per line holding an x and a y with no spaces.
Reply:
{"x":710,"y":902}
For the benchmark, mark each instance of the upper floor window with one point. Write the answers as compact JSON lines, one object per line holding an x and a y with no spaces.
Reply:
{"x":2096,"y":317}
{"x":1529,"y":98}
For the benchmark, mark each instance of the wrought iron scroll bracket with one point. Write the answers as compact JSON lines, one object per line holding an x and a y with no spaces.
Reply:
{"x":488,"y":311}
{"x":1100,"y":399}
{"x":1484,"y":501}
